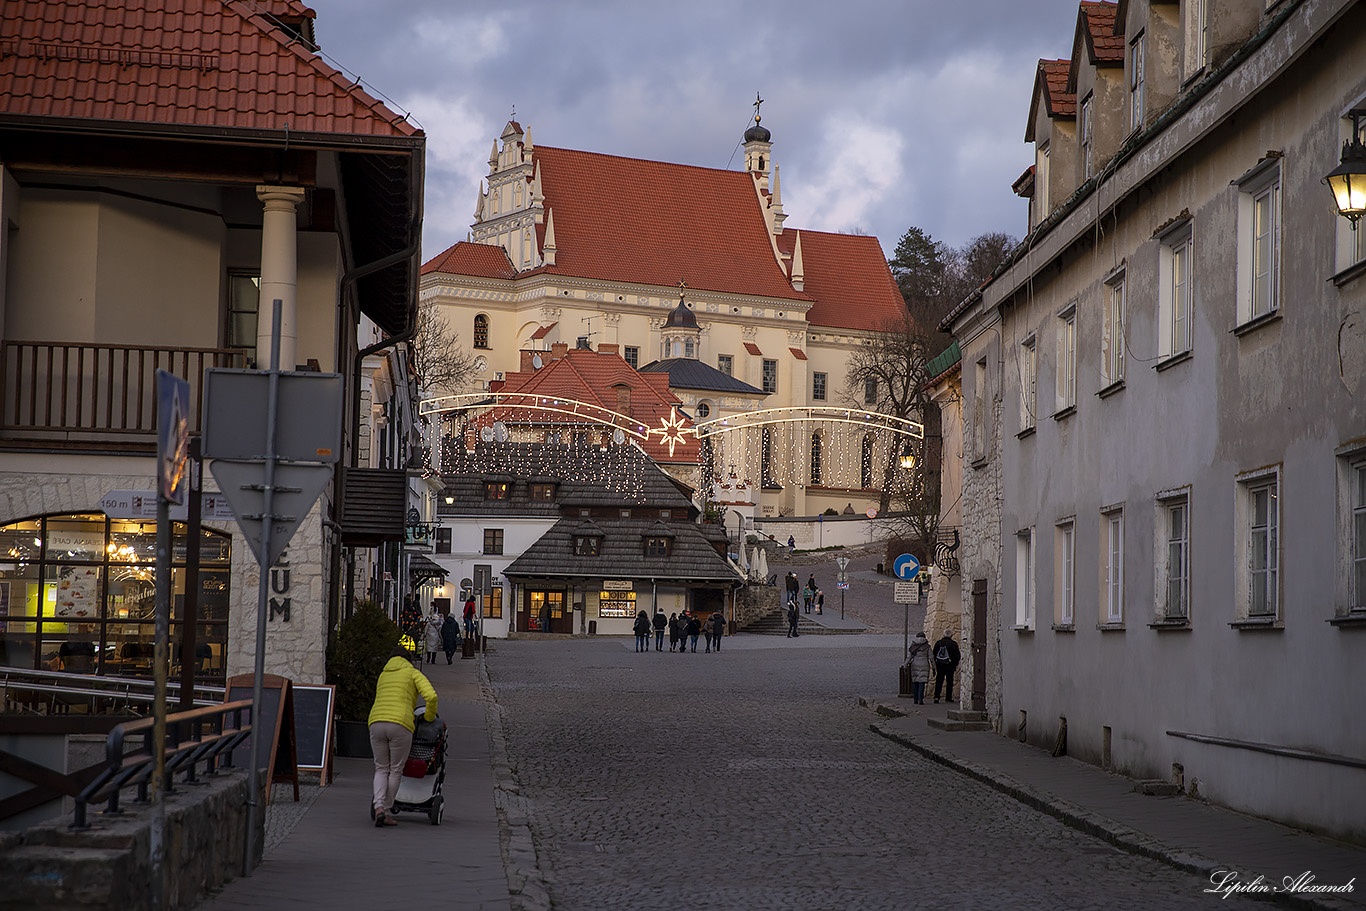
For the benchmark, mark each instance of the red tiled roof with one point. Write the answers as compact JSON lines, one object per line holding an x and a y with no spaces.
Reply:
{"x":847,"y":275}
{"x":215,"y":64}
{"x":653,"y":223}
{"x":798,"y":353}
{"x":466,"y":258}
{"x":589,"y":376}
{"x":544,"y":330}
{"x":1051,"y":79}
{"x":753,"y":349}
{"x":1100,"y":34}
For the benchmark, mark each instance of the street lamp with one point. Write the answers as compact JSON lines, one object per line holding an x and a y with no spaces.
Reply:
{"x":1348,"y":180}
{"x":907,"y":457}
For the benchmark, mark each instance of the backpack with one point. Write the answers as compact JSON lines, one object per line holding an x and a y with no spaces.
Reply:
{"x":943,"y":654}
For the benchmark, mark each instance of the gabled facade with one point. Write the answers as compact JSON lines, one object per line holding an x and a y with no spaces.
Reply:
{"x":164,"y":173}
{"x":569,"y":245}
{"x":1166,"y":384}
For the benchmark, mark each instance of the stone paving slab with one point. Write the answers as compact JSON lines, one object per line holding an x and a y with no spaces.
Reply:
{"x":1189,"y":834}
{"x":335,"y":859}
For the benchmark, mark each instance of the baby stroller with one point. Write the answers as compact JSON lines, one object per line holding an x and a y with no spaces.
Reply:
{"x":425,"y":770}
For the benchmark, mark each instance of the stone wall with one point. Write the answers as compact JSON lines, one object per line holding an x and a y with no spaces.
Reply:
{"x":754,"y":602}
{"x":51,"y":867}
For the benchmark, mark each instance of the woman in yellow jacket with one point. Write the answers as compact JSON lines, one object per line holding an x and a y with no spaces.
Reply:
{"x":391,"y":726}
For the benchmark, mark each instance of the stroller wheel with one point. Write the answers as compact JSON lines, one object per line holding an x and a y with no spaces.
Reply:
{"x":438,"y":807}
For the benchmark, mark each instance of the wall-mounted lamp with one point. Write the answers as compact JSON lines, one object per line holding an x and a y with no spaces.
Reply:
{"x":907,"y":457}
{"x":1348,"y":179}
{"x":450,"y":500}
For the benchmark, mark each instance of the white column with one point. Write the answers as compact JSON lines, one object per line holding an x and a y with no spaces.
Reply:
{"x":279,"y":274}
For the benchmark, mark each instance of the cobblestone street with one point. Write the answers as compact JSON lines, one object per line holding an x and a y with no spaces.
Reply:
{"x":749,"y":780}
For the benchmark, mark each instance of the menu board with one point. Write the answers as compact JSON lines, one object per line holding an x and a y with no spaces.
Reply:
{"x":78,"y":592}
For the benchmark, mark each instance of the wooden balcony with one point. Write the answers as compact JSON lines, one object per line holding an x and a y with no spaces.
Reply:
{"x":72,"y":394}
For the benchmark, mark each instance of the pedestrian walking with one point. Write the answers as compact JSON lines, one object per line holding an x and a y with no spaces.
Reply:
{"x":808,"y":595}
{"x":450,"y":636}
{"x":433,"y":635}
{"x":682,"y":631}
{"x":792,"y":618}
{"x":946,"y":657}
{"x":391,"y":727}
{"x":469,"y":615}
{"x":811,"y":583}
{"x":820,"y":600}
{"x":791,"y":545}
{"x":660,"y":623}
{"x":792,"y":586}
{"x":717,"y":625}
{"x":919,"y":660}
{"x":642,"y":630}
{"x":694,"y":630}
{"x":675,"y":631}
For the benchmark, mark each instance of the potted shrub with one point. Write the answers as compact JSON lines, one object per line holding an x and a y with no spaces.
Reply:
{"x":356,"y":653}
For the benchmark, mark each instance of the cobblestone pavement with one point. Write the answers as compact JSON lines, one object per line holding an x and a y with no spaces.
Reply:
{"x":283,"y":814}
{"x":749,"y":780}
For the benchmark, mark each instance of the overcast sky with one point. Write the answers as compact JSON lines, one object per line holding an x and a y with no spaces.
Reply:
{"x":884,"y":114}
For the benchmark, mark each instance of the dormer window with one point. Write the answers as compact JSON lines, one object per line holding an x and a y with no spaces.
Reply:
{"x":657,"y":546}
{"x":495,"y":490}
{"x":542,"y":493}
{"x":587,"y":545}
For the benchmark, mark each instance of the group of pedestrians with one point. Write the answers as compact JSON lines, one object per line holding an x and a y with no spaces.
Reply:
{"x":811,"y":599}
{"x":943,"y":658}
{"x":683,"y":628}
{"x":438,"y":633}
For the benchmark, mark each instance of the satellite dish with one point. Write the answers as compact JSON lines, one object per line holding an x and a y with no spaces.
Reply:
{"x":486,"y":434}
{"x":618,"y":436}
{"x":536,"y":362}
{"x":500,"y":432}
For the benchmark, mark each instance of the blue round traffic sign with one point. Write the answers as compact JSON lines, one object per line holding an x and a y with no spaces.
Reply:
{"x":905,"y":567}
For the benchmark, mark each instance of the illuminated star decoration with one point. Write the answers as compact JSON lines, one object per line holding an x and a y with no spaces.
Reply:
{"x":671,"y":431}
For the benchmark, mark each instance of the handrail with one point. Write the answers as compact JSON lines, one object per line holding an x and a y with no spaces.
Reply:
{"x":119,"y":689}
{"x":198,"y":735}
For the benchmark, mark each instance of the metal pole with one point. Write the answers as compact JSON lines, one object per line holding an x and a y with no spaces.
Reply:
{"x":189,"y":621}
{"x":159,"y":671}
{"x":259,"y":750}
{"x":906,"y":632}
{"x":842,"y":591}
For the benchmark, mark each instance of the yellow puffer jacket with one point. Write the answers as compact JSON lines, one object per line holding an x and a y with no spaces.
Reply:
{"x":396,"y":694}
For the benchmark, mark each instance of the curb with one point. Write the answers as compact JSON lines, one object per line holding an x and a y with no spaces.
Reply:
{"x":527,"y":887}
{"x":1073,"y":816}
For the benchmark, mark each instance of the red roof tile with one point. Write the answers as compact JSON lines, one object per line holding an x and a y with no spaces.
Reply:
{"x":1051,"y":79}
{"x":753,"y":349}
{"x":544,"y":330}
{"x":847,"y":275}
{"x":466,"y":258}
{"x":590,"y":376}
{"x":1102,"y":36}
{"x":798,"y":353}
{"x":215,"y":64}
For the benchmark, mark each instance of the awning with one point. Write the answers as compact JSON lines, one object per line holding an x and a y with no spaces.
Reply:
{"x":421,"y":569}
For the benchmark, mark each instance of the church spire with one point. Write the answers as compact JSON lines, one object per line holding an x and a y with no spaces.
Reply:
{"x":757,"y":147}
{"x":548,"y":255}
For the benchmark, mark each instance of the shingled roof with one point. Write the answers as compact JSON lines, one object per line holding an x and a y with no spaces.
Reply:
{"x":692,"y":557}
{"x":690,"y":373}
{"x":1050,"y":86}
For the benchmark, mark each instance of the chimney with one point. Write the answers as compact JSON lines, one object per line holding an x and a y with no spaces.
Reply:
{"x":608,"y":348}
{"x":527,"y":366}
{"x":558,"y":350}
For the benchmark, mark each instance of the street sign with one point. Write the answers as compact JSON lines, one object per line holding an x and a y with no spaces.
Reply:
{"x":843,"y":562}
{"x":842,"y":585}
{"x":142,"y":504}
{"x":309,"y":424}
{"x":905,"y":567}
{"x":296,"y":489}
{"x":905,"y":593}
{"x":872,"y":512}
{"x":173,"y":436}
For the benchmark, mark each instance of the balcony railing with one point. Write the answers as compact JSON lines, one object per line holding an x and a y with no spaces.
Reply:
{"x":77,"y":391}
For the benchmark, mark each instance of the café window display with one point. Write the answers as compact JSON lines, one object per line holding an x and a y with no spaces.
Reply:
{"x":78,"y":593}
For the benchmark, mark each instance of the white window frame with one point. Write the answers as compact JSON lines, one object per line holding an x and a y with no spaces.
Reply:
{"x":1041,"y":172}
{"x":1136,"y":82}
{"x":1253,"y":539}
{"x":768,"y":373}
{"x":1112,"y":565}
{"x":631,"y":355}
{"x":1171,"y":548}
{"x":1176,"y":291}
{"x":1196,"y":37}
{"x":1351,"y":512}
{"x":726,"y":364}
{"x":1067,"y":358}
{"x":1112,"y":332}
{"x":1259,"y":241}
{"x":979,"y":410}
{"x":1065,"y":567}
{"x":1024,"y":579}
{"x":1085,"y":134}
{"x":1029,"y":382}
{"x":819,"y":385}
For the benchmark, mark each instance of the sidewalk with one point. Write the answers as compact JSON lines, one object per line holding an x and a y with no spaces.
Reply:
{"x":1193,"y":836}
{"x":334,"y":858}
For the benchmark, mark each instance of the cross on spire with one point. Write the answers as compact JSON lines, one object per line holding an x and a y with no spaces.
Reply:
{"x":757,"y":101}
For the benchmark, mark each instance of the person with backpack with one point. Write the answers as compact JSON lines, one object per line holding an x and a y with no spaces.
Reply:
{"x":642,"y":631}
{"x":918,"y":659}
{"x":946,"y":656}
{"x":715,"y":626}
{"x":660,"y":624}
{"x":694,"y":630}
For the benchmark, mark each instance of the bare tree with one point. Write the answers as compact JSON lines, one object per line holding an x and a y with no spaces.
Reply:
{"x":442,"y":365}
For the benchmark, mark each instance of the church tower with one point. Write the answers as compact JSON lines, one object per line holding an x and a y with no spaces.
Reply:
{"x":509,"y":211}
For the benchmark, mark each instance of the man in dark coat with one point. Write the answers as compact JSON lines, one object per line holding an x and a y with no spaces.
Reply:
{"x":946,"y":657}
{"x":792,"y":619}
{"x":450,"y":636}
{"x":660,"y":623}
{"x":793,"y":586}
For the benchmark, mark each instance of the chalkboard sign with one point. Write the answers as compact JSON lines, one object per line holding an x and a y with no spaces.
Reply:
{"x":276,"y":692}
{"x":313,"y":726}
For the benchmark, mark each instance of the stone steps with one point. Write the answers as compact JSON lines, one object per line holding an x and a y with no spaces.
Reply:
{"x":776,"y":625}
{"x":961,"y":720}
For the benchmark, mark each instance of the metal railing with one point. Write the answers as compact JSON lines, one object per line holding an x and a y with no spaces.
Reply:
{"x":74,"y":387}
{"x":207,"y":735}
{"x":62,"y":690}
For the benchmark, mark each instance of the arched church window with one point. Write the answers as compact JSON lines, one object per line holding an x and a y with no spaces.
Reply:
{"x":866,"y":464}
{"x":689,"y":348}
{"x":481,"y":331}
{"x":816,"y":458}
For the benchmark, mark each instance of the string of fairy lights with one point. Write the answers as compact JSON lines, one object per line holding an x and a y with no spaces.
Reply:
{"x":527,"y":435}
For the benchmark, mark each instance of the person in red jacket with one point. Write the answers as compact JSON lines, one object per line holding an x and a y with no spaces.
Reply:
{"x":469,"y":616}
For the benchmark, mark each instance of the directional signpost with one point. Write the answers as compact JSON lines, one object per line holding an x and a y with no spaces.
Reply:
{"x":843,"y":581}
{"x":905,"y":568}
{"x":271,"y":472}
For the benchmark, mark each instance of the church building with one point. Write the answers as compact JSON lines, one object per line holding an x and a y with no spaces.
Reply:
{"x":686,"y":271}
